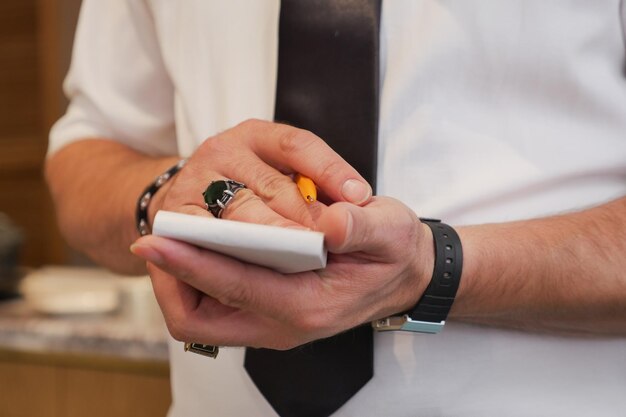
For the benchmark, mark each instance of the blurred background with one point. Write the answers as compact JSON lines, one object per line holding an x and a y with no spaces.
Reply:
{"x":35,"y":47}
{"x":75,"y":340}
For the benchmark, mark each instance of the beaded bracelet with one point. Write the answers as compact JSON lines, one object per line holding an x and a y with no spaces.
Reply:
{"x":141,"y":214}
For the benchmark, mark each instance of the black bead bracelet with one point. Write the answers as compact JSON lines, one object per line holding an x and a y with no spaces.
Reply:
{"x":141,"y":214}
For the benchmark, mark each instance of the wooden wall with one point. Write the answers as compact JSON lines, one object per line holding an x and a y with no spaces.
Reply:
{"x":35,"y":44}
{"x":34,"y":385}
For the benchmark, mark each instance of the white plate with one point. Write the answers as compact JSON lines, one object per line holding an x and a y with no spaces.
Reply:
{"x":71,"y":290}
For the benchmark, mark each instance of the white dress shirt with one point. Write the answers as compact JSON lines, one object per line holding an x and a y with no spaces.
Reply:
{"x":490,"y":111}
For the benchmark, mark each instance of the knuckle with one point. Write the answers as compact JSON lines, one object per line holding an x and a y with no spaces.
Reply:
{"x":152,"y":270}
{"x":295,"y":141}
{"x":313,"y":316}
{"x":216,"y":145}
{"x":368,"y":235}
{"x":273,"y":185}
{"x":214,"y":148}
{"x":310,"y":323}
{"x":249,"y":126}
{"x":244,"y":199}
{"x":300,"y":214}
{"x":236,"y":295}
{"x":177,"y":329}
{"x":251,"y":123}
{"x":183,"y":273}
{"x":406,"y":223}
{"x":253,"y":131}
{"x":332,"y":169}
{"x":286,"y":344}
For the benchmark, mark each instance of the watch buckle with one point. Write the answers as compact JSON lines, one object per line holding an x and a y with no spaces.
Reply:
{"x":405,"y":323}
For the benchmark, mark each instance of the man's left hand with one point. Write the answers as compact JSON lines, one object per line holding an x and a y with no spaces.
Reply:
{"x":380,"y":261}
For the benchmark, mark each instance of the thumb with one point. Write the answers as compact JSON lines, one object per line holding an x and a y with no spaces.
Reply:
{"x":350,"y":228}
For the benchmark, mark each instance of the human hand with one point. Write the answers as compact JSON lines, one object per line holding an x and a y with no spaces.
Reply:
{"x":380,"y":261}
{"x":262,"y":154}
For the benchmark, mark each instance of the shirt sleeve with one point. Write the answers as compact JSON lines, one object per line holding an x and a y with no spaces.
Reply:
{"x":118,"y":85}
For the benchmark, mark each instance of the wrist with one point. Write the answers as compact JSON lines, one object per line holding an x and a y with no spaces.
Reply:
{"x":153,"y":196}
{"x":425,"y":262}
{"x":419,"y":272}
{"x":158,"y":200}
{"x":430,"y":312}
{"x":470,"y":267}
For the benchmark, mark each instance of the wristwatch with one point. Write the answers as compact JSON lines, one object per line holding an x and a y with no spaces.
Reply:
{"x":430,"y":313}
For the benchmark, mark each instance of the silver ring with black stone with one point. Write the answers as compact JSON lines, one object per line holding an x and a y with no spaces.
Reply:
{"x":219,"y":194}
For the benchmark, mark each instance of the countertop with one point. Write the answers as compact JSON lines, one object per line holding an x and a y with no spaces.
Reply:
{"x":135,"y":330}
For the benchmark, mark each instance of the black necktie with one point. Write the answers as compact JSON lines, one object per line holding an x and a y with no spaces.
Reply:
{"x":327,"y":83}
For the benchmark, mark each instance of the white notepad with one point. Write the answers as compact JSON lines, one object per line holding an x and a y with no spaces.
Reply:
{"x":284,"y":250}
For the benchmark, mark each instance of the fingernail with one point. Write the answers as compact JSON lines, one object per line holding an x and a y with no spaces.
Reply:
{"x":299,"y":228}
{"x":147,"y":253}
{"x":356,"y":191}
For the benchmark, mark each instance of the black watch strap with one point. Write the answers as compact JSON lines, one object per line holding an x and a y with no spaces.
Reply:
{"x":430,"y":312}
{"x":436,"y":302}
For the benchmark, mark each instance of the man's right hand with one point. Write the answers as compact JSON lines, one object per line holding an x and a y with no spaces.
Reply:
{"x":96,"y":182}
{"x":263,"y":156}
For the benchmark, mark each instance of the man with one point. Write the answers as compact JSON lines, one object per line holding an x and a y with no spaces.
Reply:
{"x":508,"y":117}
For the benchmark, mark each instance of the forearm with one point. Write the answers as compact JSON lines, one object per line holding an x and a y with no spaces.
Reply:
{"x":565,"y":273}
{"x":95,"y":185}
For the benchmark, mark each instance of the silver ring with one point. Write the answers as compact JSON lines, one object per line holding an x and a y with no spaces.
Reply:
{"x":204,"y":350}
{"x":219,"y":194}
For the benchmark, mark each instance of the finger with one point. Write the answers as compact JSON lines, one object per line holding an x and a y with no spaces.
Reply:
{"x":231,"y":282}
{"x":381,"y":228}
{"x":195,"y":317}
{"x":247,"y":206}
{"x":296,"y":150}
{"x":239,"y":163}
{"x":194,"y":210}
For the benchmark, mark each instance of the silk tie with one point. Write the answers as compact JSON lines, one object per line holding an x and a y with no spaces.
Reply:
{"x":327,"y":83}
